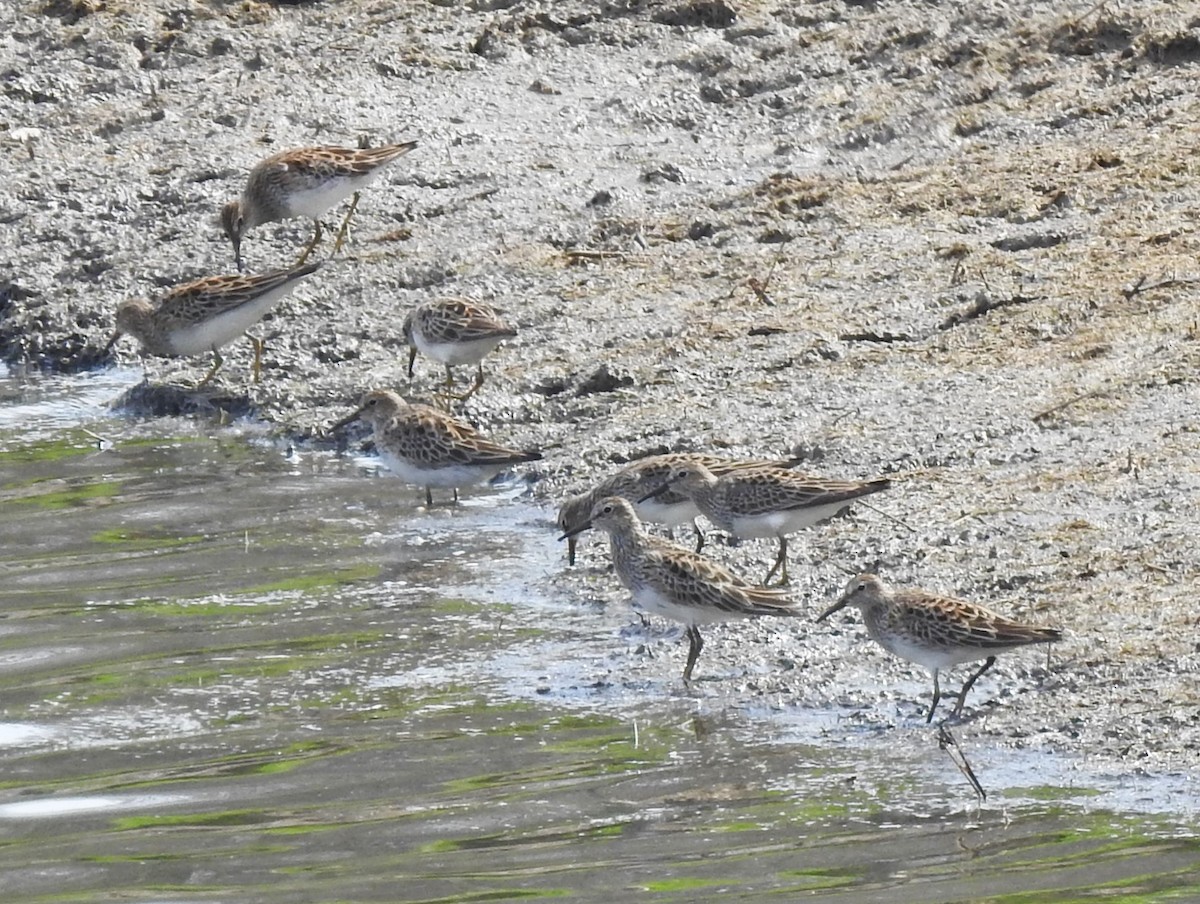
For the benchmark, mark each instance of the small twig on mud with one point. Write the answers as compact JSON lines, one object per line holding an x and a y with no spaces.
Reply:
{"x":984,"y":304}
{"x":582,"y":254}
{"x":846,"y":412}
{"x":1055,"y":409}
{"x":1166,"y":283}
{"x":1074,"y":22}
{"x":977,"y":513}
{"x":102,"y":442}
{"x":947,"y":743}
{"x":958,"y":252}
{"x":892,"y":518}
{"x":759,"y":287}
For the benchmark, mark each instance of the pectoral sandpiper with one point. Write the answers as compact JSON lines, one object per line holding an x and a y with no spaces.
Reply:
{"x":455,"y":331}
{"x":306,"y":182}
{"x":636,"y":480}
{"x":428,"y":447}
{"x":676,"y":583}
{"x":765,"y":502}
{"x":936,"y":631}
{"x":203,"y":315}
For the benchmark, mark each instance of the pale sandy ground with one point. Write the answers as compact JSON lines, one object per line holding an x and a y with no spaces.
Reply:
{"x":951,"y":242}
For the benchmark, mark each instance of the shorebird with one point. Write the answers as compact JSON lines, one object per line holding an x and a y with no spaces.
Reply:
{"x":428,"y":447}
{"x":668,"y":580}
{"x":455,"y":331}
{"x":765,"y":502}
{"x":936,"y":631}
{"x":634,"y":481}
{"x":305,"y":182}
{"x":203,"y":315}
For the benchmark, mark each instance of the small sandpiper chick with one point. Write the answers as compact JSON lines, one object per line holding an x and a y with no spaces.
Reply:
{"x":766,"y":502}
{"x":203,"y":315}
{"x":306,"y":182}
{"x":936,"y":631}
{"x":455,"y":331}
{"x":636,"y":480}
{"x":429,"y":448}
{"x":668,"y":580}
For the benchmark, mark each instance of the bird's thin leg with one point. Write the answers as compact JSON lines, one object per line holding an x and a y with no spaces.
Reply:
{"x":695,"y":645}
{"x":412,"y":359}
{"x":571,"y":541}
{"x":217,"y":362}
{"x":447,"y":395}
{"x":256,"y":368}
{"x":474,"y":386}
{"x":780,"y":562}
{"x":428,"y":496}
{"x":699,"y":536}
{"x":937,"y":695}
{"x":456,"y":495}
{"x":962,"y":695}
{"x":345,"y":230}
{"x":312,"y":244}
{"x":462,"y":396}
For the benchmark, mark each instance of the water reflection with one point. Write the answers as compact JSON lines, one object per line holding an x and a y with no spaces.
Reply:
{"x":247,"y":676}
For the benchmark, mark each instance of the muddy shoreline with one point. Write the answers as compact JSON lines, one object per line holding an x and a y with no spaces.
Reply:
{"x":955,"y":246}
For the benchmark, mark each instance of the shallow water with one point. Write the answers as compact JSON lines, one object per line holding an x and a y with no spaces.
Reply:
{"x":234,"y":673}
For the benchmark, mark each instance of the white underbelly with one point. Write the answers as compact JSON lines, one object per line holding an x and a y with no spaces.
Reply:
{"x":675,"y":515}
{"x":779,"y":524}
{"x":456,"y":352}
{"x":932,"y":657}
{"x":653,"y":602}
{"x":449,"y":476}
{"x":224,"y":328}
{"x":316,"y":202}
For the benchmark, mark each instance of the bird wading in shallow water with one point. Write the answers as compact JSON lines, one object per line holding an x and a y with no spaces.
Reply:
{"x":765,"y":502}
{"x":936,"y":631}
{"x":427,"y":447}
{"x":306,"y":182}
{"x":668,"y":580}
{"x":201,"y":316}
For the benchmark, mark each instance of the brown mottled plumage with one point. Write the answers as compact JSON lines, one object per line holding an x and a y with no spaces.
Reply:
{"x":636,"y":480}
{"x":455,"y":331}
{"x":766,"y":502}
{"x":305,"y":182}
{"x":203,"y":315}
{"x":936,"y":631}
{"x":668,"y":580}
{"x":427,"y":447}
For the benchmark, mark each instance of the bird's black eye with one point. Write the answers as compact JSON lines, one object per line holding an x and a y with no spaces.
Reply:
{"x":862,"y":585}
{"x":608,"y":509}
{"x":372,"y":401}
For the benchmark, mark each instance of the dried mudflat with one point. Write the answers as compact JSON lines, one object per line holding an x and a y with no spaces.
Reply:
{"x":954,"y":244}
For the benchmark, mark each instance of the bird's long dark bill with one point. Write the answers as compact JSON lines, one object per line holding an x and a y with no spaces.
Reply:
{"x":840,"y":604}
{"x":348,"y":419}
{"x":577,"y":529}
{"x":657,"y":491}
{"x":108,"y":347}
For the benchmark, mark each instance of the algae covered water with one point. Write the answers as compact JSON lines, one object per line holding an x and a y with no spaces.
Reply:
{"x":236,"y":672}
